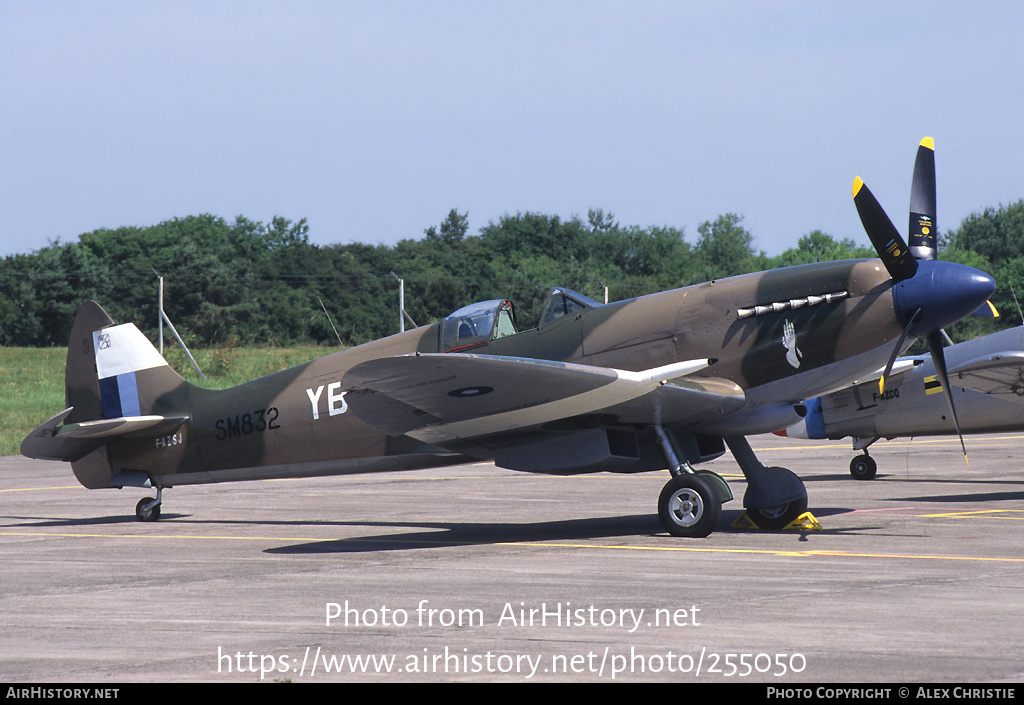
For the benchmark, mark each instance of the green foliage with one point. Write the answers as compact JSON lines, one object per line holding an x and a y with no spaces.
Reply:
{"x":817,"y":246}
{"x":995,"y":233}
{"x":993,"y":241}
{"x":32,"y":385}
{"x":452,"y":230}
{"x":247,"y":283}
{"x":727,"y":248}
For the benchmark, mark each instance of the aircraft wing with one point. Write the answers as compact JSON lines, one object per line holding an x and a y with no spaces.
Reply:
{"x":1000,"y":373}
{"x":444,"y":397}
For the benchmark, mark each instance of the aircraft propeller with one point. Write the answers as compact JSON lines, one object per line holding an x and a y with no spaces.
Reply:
{"x":939,"y":359}
{"x":884,"y":236}
{"x":922,"y":233}
{"x":923,"y":287}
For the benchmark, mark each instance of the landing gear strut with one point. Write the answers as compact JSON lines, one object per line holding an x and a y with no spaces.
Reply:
{"x":690,"y":504}
{"x":775,"y":496}
{"x":148,"y":508}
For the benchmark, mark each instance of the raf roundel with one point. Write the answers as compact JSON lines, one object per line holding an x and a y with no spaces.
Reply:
{"x":466,"y":392}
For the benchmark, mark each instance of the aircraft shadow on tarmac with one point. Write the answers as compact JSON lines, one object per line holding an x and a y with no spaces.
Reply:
{"x":971,"y":490}
{"x":454,"y":534}
{"x":442,"y":534}
{"x":25,"y":522}
{"x":977,"y":497}
{"x":449,"y":534}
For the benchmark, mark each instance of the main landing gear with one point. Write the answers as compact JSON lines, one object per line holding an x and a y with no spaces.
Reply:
{"x":148,"y":508}
{"x":775,"y":496}
{"x":690,"y":504}
{"x":863,"y":467}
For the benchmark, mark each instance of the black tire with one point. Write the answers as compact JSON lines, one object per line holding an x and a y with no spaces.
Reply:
{"x":147,"y":515}
{"x":689,"y":506}
{"x":777,"y":517}
{"x":863,"y":467}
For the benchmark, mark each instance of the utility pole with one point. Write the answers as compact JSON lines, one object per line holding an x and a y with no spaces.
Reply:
{"x":401,"y":302}
{"x":402,"y":315}
{"x":163,"y":317}
{"x":160,"y":318}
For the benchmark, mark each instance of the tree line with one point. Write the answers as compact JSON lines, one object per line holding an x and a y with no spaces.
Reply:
{"x":251,"y":283}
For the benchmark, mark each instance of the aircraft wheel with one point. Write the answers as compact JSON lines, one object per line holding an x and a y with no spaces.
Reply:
{"x":689,"y":506}
{"x":144,"y":514}
{"x":863,"y":467}
{"x":779,"y":516}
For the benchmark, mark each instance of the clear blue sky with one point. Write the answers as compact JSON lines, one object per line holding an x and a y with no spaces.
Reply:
{"x":374,"y":119}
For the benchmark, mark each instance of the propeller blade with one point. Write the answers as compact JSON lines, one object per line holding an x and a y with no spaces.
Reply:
{"x":888,"y":243}
{"x":988,"y":310}
{"x":939,"y":360}
{"x":896,"y":351}
{"x":923,"y":227}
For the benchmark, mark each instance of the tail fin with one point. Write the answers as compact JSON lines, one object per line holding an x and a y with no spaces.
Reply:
{"x":116,"y":372}
{"x":81,"y":387}
{"x":115,"y":384}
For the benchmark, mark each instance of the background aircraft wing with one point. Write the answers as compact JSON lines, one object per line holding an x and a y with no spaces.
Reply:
{"x":1000,"y":373}
{"x":442,"y":397}
{"x":900,"y":367}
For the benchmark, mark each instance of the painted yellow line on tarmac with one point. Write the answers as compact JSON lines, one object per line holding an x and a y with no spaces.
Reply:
{"x":536,"y":544}
{"x":989,"y":513}
{"x":781,"y":553}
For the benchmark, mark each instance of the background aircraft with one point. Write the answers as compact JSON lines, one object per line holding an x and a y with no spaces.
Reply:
{"x":664,"y":380}
{"x":987,"y":374}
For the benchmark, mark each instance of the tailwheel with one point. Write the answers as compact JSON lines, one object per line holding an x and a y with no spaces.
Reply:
{"x":148,"y":508}
{"x":863,"y":467}
{"x":689,"y":506}
{"x":779,"y":516}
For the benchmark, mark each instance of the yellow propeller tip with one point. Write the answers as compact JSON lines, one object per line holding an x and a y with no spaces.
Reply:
{"x":929,"y":143}
{"x":858,"y":183}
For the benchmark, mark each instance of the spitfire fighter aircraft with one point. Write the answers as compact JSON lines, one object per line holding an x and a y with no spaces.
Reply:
{"x":987,"y":375}
{"x":664,"y":380}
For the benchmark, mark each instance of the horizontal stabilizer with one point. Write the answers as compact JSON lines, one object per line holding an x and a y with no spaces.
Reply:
{"x":69,"y":442}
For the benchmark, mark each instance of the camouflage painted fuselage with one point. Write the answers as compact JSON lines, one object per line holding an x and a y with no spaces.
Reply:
{"x":779,"y":337}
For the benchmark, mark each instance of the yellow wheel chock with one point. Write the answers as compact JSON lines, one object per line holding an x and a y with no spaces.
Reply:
{"x":804,"y":522}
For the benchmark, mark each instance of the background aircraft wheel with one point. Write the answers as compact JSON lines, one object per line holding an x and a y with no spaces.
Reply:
{"x":863,"y":467}
{"x":779,"y":516}
{"x":147,"y":514}
{"x":689,"y":506}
